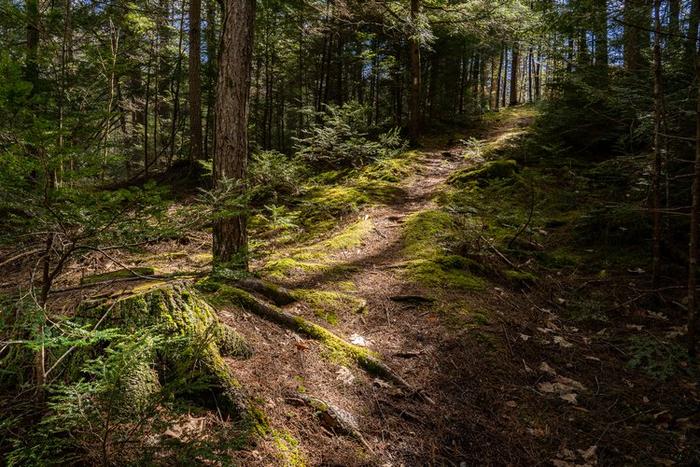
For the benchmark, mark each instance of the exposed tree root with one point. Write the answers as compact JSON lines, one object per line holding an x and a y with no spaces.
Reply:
{"x":332,"y":417}
{"x":365,"y":358}
{"x":275,"y":293}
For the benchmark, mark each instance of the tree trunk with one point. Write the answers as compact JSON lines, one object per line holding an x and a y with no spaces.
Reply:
{"x":658,"y":117}
{"x":515,"y":65}
{"x":195,"y":84}
{"x":414,"y":99}
{"x":694,"y":228}
{"x":498,"y":79}
{"x":691,"y":43}
{"x":231,"y":135}
{"x":636,"y":23}
{"x":601,"y":37}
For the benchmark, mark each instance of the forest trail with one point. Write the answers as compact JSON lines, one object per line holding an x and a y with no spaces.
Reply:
{"x":396,"y":317}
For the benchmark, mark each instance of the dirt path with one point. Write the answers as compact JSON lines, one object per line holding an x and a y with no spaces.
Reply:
{"x":411,"y":338}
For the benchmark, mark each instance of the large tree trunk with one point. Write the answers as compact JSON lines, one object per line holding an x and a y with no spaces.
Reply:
{"x":414,"y":99}
{"x":514,"y":75}
{"x":195,"y":82}
{"x":231,"y":135}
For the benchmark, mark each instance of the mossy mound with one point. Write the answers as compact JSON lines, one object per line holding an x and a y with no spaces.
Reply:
{"x":190,"y":344}
{"x":429,"y":262}
{"x":502,"y":168}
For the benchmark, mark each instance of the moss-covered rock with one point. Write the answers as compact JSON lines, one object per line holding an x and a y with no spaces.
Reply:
{"x":502,"y":168}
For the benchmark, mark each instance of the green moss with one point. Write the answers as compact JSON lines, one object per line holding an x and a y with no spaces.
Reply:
{"x":336,"y":348}
{"x":118,"y":274}
{"x":328,"y":304}
{"x":288,"y":448}
{"x":502,"y":168}
{"x":428,"y":262}
{"x":192,"y":340}
{"x":432,"y":273}
{"x":350,"y":237}
{"x":520,"y":278}
{"x":423,"y":232}
{"x":316,"y":257}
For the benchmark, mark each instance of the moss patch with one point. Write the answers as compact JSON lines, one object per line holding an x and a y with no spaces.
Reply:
{"x":315,"y":258}
{"x":118,"y":274}
{"x":429,"y":263}
{"x":504,"y":168}
{"x":328,"y":304}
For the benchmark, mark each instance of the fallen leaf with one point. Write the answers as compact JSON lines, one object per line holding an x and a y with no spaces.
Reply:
{"x":547,"y":369}
{"x":569,"y":397}
{"x":562,"y":342}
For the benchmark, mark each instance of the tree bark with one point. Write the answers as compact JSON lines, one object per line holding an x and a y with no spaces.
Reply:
{"x":694,"y":228}
{"x":601,"y":37}
{"x":195,"y":83}
{"x":414,"y":98}
{"x":231,"y":134}
{"x":515,"y":65}
{"x":658,"y":118}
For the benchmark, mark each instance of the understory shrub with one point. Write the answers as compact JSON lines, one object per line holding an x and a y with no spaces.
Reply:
{"x":340,"y":137}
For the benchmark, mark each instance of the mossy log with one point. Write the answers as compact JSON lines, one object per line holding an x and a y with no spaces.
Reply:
{"x":365,"y":358}
{"x":190,"y":358}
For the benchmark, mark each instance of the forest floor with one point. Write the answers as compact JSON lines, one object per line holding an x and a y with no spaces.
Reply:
{"x":522,"y":362}
{"x":512,"y":381}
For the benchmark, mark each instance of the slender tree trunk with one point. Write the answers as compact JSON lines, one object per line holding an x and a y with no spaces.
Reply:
{"x":636,"y":25}
{"x":230,"y":245}
{"x":211,"y":42}
{"x":601,"y":38}
{"x":505,"y":77}
{"x":694,"y":228}
{"x":195,"y":83}
{"x":514,"y":75}
{"x":691,"y":43}
{"x":500,"y":74}
{"x":414,"y":98}
{"x":176,"y":90}
{"x":658,"y":117}
{"x":31,"y":64}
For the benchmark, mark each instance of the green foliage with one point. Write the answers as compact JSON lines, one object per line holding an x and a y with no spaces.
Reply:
{"x":340,"y":138}
{"x":274,"y":175}
{"x":659,"y":359}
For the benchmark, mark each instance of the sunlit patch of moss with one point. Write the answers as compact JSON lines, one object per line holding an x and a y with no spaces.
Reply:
{"x":331,"y":201}
{"x":502,"y":168}
{"x":428,"y":262}
{"x":350,"y":237}
{"x":288,"y":448}
{"x":423,"y":232}
{"x":432,"y":273}
{"x":315,"y":258}
{"x":119,"y":274}
{"x":328,"y":304}
{"x":346,"y":286}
